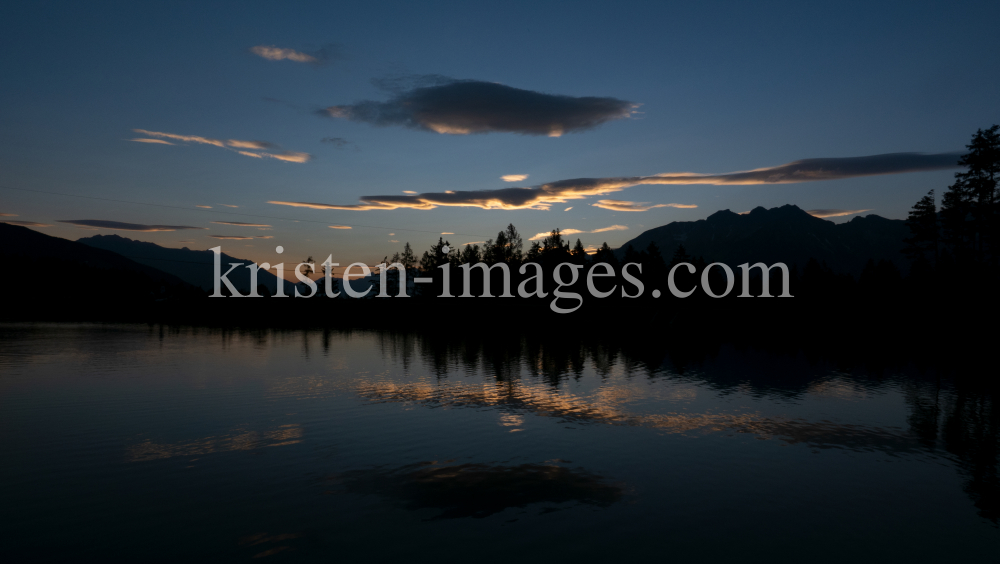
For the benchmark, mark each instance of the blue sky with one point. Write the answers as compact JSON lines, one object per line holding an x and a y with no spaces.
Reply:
{"x":721,"y":87}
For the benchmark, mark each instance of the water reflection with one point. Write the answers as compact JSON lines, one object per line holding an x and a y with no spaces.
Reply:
{"x":461,"y":433}
{"x":952,"y":410}
{"x":240,"y":440}
{"x":480,"y":490}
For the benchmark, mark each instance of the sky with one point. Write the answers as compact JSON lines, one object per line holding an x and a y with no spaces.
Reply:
{"x":350,"y":129}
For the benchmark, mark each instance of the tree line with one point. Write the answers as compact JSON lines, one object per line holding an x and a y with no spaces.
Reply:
{"x":956,"y":246}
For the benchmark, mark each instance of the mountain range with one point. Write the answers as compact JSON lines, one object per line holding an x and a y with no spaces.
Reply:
{"x":194,"y":267}
{"x":783,"y":234}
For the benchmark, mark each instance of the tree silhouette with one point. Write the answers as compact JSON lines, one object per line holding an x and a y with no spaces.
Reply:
{"x":969,"y":207}
{"x":922,"y":244}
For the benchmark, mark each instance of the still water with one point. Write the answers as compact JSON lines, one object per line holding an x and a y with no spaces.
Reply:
{"x":152,"y":443}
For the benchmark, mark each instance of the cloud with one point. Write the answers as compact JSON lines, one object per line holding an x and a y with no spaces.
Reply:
{"x":539,"y":236}
{"x":264,"y":237}
{"x":290,"y":156}
{"x":253,"y":149}
{"x":184,"y":138}
{"x":338,"y":142}
{"x":272,"y":53}
{"x":543,"y":196}
{"x":834,"y":213}
{"x":514,"y":177}
{"x":234,"y":237}
{"x":287,"y":156}
{"x":473,"y":243}
{"x":8,"y":215}
{"x":624,"y":206}
{"x":205,"y":207}
{"x":25,"y":223}
{"x":447,"y":233}
{"x":409,"y":192}
{"x":241,"y":224}
{"x":229,"y":205}
{"x":156,"y":141}
{"x":121,"y":226}
{"x":461,"y":107}
{"x":320,"y":56}
{"x":611,"y":228}
{"x":341,"y":227}
{"x":256,"y":145}
{"x":569,"y":208}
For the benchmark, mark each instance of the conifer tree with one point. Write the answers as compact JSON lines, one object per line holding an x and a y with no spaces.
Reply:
{"x":922,"y":244}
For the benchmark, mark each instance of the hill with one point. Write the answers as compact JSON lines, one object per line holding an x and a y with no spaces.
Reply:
{"x":194,"y":267}
{"x":58,"y":270}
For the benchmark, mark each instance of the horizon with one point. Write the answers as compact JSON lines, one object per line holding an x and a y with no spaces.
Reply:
{"x":337,"y":272}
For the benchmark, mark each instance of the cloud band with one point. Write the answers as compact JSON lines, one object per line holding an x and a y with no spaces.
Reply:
{"x":542,"y":197}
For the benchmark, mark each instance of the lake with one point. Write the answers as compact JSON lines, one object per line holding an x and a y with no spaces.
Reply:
{"x":153,"y":443}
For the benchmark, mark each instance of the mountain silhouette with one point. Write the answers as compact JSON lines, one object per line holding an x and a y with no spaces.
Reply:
{"x":783,"y":234}
{"x":194,"y":267}
{"x":59,"y":270}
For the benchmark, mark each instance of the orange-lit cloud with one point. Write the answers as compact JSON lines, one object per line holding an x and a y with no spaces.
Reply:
{"x":122,"y":226}
{"x":241,"y":224}
{"x":234,"y":237}
{"x":8,"y":215}
{"x":514,"y":177}
{"x":543,"y":196}
{"x":539,"y":236}
{"x":155,"y":141}
{"x":256,"y":145}
{"x":834,"y":213}
{"x":205,"y":207}
{"x":611,"y":228}
{"x":341,"y":227}
{"x":290,"y":156}
{"x":184,"y":138}
{"x":624,"y":206}
{"x":254,"y":149}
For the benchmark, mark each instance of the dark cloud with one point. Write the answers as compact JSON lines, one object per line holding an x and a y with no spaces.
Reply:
{"x":543,"y":196}
{"x":462,"y":107}
{"x":234,"y":237}
{"x":241,"y":224}
{"x":121,"y":226}
{"x":338,"y":142}
{"x":625,"y":206}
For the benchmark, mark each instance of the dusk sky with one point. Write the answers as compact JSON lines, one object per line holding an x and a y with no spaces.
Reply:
{"x":376,"y":111}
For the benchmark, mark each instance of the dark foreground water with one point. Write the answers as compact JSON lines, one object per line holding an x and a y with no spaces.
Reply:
{"x":146,"y":443}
